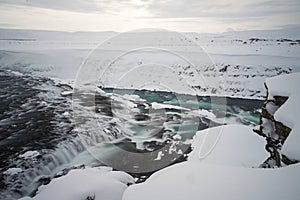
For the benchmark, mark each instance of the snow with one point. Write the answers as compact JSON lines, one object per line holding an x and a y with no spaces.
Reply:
{"x":100,"y":183}
{"x":197,"y":180}
{"x":288,"y":113}
{"x":204,"y":113}
{"x":59,"y":55}
{"x":133,"y":97}
{"x":159,"y":155}
{"x":125,"y":100}
{"x":230,"y":145}
{"x":29,"y":154}
{"x":66,"y":114}
{"x":156,"y":105}
{"x":66,"y":93}
{"x":12,"y":171}
{"x":271,"y":108}
{"x":269,"y":128}
{"x":221,"y":166}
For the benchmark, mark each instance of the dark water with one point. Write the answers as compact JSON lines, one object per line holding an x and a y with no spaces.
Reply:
{"x":36,"y":115}
{"x":27,"y":119}
{"x":31,"y":118}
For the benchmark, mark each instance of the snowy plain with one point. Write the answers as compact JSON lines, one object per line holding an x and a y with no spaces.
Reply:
{"x":225,"y":64}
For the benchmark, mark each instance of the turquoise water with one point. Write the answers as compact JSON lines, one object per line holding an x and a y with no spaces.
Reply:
{"x":245,"y":111}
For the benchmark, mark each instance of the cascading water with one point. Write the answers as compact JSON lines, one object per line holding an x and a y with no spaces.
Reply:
{"x":36,"y":114}
{"x":39,"y":118}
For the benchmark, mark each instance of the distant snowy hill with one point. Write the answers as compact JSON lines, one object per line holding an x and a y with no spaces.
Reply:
{"x":226,"y":64}
{"x":20,"y":34}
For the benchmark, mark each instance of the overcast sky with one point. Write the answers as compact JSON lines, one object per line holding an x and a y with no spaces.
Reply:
{"x":125,"y":15}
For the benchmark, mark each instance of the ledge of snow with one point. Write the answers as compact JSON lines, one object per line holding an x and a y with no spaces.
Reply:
{"x":232,"y":145}
{"x":196,"y":180}
{"x":224,"y":173}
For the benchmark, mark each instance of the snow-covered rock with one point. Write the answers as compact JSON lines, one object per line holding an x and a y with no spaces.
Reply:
{"x":219,"y":167}
{"x":89,"y":183}
{"x":280,"y":120}
{"x":29,"y":154}
{"x":288,"y":113}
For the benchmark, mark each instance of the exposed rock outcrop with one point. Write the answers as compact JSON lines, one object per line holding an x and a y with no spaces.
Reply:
{"x":274,"y":131}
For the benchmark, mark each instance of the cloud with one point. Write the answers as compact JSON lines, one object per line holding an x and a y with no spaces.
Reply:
{"x":68,"y":5}
{"x":221,"y":8}
{"x":84,"y":6}
{"x":171,"y":8}
{"x":185,"y":15}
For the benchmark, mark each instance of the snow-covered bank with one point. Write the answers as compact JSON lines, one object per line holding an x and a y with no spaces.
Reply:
{"x":224,"y":173}
{"x":89,"y":183}
{"x":218,"y":154}
{"x":196,"y":181}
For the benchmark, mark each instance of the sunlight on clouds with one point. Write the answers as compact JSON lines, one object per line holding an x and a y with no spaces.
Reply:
{"x":41,"y":18}
{"x":124,"y":15}
{"x":131,"y":9}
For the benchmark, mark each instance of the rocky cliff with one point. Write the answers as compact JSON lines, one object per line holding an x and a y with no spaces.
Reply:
{"x":275,"y":131}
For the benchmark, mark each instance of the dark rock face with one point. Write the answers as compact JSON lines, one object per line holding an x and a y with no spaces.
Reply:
{"x":274,"y":131}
